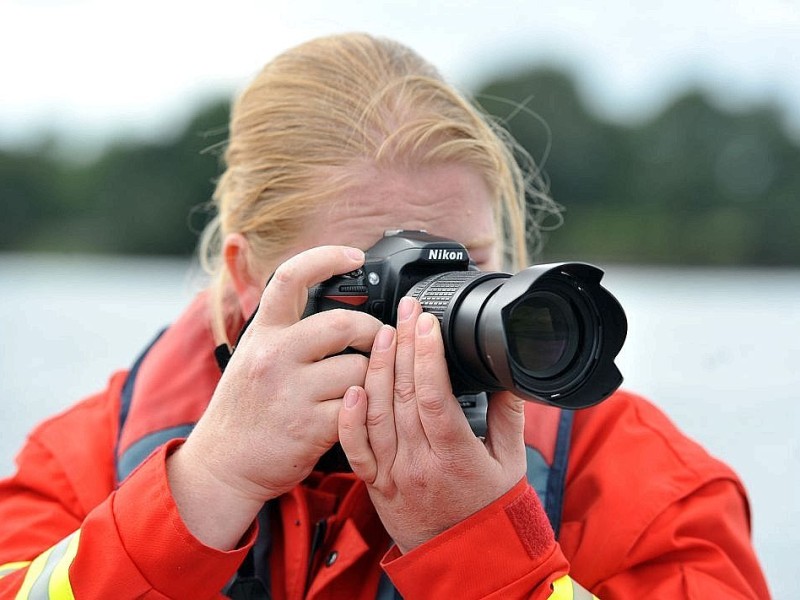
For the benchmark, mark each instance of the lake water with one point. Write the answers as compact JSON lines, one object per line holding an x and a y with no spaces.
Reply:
{"x":717,"y":350}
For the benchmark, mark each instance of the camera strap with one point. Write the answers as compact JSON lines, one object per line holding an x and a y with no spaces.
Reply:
{"x":223,"y":352}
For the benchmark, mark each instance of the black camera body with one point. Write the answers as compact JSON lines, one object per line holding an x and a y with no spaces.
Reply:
{"x":550,"y":333}
{"x":396,"y":263}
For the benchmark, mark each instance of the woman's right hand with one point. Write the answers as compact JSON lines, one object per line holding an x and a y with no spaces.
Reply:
{"x":275,"y":409}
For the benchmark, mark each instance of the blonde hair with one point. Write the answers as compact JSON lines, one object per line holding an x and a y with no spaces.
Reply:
{"x":318,"y":113}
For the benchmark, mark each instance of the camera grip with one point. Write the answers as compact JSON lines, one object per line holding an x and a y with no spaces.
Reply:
{"x":338,"y":292}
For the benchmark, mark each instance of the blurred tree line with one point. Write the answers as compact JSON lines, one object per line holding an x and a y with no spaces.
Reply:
{"x":695,"y":184}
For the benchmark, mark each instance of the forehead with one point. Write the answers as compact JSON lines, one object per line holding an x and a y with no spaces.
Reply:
{"x":447,"y":200}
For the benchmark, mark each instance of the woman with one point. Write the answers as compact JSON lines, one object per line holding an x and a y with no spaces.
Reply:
{"x":177,"y":482}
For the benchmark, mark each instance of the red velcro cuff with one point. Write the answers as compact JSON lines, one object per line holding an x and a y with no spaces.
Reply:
{"x":530,"y":523}
{"x":500,"y":544}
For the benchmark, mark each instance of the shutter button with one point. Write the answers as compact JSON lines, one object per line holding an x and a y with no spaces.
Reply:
{"x":331,"y":558}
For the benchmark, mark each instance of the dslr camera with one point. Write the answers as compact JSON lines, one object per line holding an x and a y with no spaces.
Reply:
{"x":549,"y":333}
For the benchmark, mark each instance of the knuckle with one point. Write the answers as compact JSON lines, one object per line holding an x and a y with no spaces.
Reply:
{"x":430,"y":390}
{"x":263,"y":359}
{"x":434,"y":401}
{"x":285,"y":273}
{"x":378,"y":420}
{"x":340,"y":320}
{"x":360,"y":364}
{"x":404,"y":389}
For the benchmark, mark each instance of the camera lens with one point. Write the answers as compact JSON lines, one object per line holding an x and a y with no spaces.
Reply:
{"x":543,"y":334}
{"x":550,"y":333}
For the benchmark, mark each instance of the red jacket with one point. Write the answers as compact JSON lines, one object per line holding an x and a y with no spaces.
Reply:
{"x":647,"y":513}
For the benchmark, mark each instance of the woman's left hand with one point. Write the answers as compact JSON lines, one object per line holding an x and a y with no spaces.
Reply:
{"x":406,"y":436}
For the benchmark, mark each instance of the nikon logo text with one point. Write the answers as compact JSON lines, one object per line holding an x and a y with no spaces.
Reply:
{"x":442,"y":254}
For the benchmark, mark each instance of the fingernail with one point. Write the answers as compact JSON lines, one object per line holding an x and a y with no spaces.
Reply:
{"x":405,"y":308}
{"x":384,"y":338}
{"x":355,"y":254}
{"x":425,"y":323}
{"x":350,"y":397}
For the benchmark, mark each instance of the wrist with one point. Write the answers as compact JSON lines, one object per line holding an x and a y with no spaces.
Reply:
{"x":215,"y":512}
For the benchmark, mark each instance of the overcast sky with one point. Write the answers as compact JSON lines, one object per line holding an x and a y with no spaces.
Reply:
{"x":92,"y":68}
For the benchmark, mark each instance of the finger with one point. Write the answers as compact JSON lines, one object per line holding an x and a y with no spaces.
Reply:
{"x":324,"y":424}
{"x":505,"y":421}
{"x":330,"y":378}
{"x":406,"y":415}
{"x":379,"y":387}
{"x":284,"y":298}
{"x":439,"y":412}
{"x":332,"y":331}
{"x":354,"y":437}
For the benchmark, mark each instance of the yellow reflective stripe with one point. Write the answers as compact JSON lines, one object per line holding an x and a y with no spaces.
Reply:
{"x":48,"y":575}
{"x":9,"y":568}
{"x":60,"y":587}
{"x":33,"y":573}
{"x":562,"y":589}
{"x":565,"y":588}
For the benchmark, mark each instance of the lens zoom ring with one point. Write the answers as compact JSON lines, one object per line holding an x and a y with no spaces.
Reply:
{"x":434,"y":293}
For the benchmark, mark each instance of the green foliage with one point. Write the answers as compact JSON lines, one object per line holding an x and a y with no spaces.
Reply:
{"x":143,"y":198}
{"x":694,"y":184}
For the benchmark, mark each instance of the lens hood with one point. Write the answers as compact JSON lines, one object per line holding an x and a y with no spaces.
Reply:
{"x":585,"y":321}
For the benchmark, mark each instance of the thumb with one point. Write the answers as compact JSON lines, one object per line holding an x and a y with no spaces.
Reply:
{"x":505,"y":420}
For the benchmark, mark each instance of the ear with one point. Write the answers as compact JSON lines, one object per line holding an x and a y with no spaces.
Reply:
{"x":247,"y":284}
